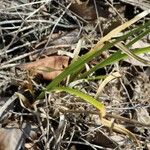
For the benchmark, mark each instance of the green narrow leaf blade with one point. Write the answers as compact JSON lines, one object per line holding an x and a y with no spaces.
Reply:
{"x":99,"y":105}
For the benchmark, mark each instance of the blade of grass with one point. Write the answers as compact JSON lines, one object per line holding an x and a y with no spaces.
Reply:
{"x":139,"y":29}
{"x":125,"y":50}
{"x":114,"y":58}
{"x":134,"y":31}
{"x":99,"y":105}
{"x":140,"y":36}
{"x":118,"y":56}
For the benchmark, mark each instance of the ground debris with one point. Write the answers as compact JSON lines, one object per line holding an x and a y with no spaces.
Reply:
{"x":42,"y":38}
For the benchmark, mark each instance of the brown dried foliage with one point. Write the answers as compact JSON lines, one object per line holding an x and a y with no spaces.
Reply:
{"x":48,"y":67}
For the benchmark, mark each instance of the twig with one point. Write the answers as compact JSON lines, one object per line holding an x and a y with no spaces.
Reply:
{"x":7,"y":104}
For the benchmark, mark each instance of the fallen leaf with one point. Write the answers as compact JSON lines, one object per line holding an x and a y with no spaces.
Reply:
{"x":13,"y":136}
{"x":87,"y":11}
{"x":10,"y":139}
{"x":104,"y":140}
{"x":48,"y":67}
{"x":84,"y":11}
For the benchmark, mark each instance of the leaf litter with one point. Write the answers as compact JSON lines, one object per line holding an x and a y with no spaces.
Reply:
{"x":48,"y":67}
{"x":61,"y":120}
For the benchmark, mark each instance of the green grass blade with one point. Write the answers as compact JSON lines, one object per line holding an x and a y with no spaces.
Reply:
{"x":99,"y":105}
{"x":114,"y":58}
{"x":126,"y":50}
{"x":140,"y":36}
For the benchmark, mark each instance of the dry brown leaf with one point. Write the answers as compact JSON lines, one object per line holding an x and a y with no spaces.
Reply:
{"x":84,"y":11}
{"x":88,"y":11}
{"x":104,"y":140}
{"x":48,"y":67}
{"x":10,"y":139}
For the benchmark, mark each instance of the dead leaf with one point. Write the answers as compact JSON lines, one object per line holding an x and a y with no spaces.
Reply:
{"x":84,"y":11}
{"x":13,"y":136}
{"x":10,"y":138}
{"x":48,"y":67}
{"x":87,"y":10}
{"x":104,"y":140}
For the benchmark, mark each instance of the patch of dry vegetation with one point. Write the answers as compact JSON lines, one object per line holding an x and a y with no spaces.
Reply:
{"x":35,"y":30}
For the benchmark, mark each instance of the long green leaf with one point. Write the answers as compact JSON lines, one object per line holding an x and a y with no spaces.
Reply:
{"x":100,"y":106}
{"x":140,"y":36}
{"x":114,"y":58}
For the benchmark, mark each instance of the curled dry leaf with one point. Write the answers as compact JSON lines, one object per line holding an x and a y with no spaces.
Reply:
{"x":48,"y":67}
